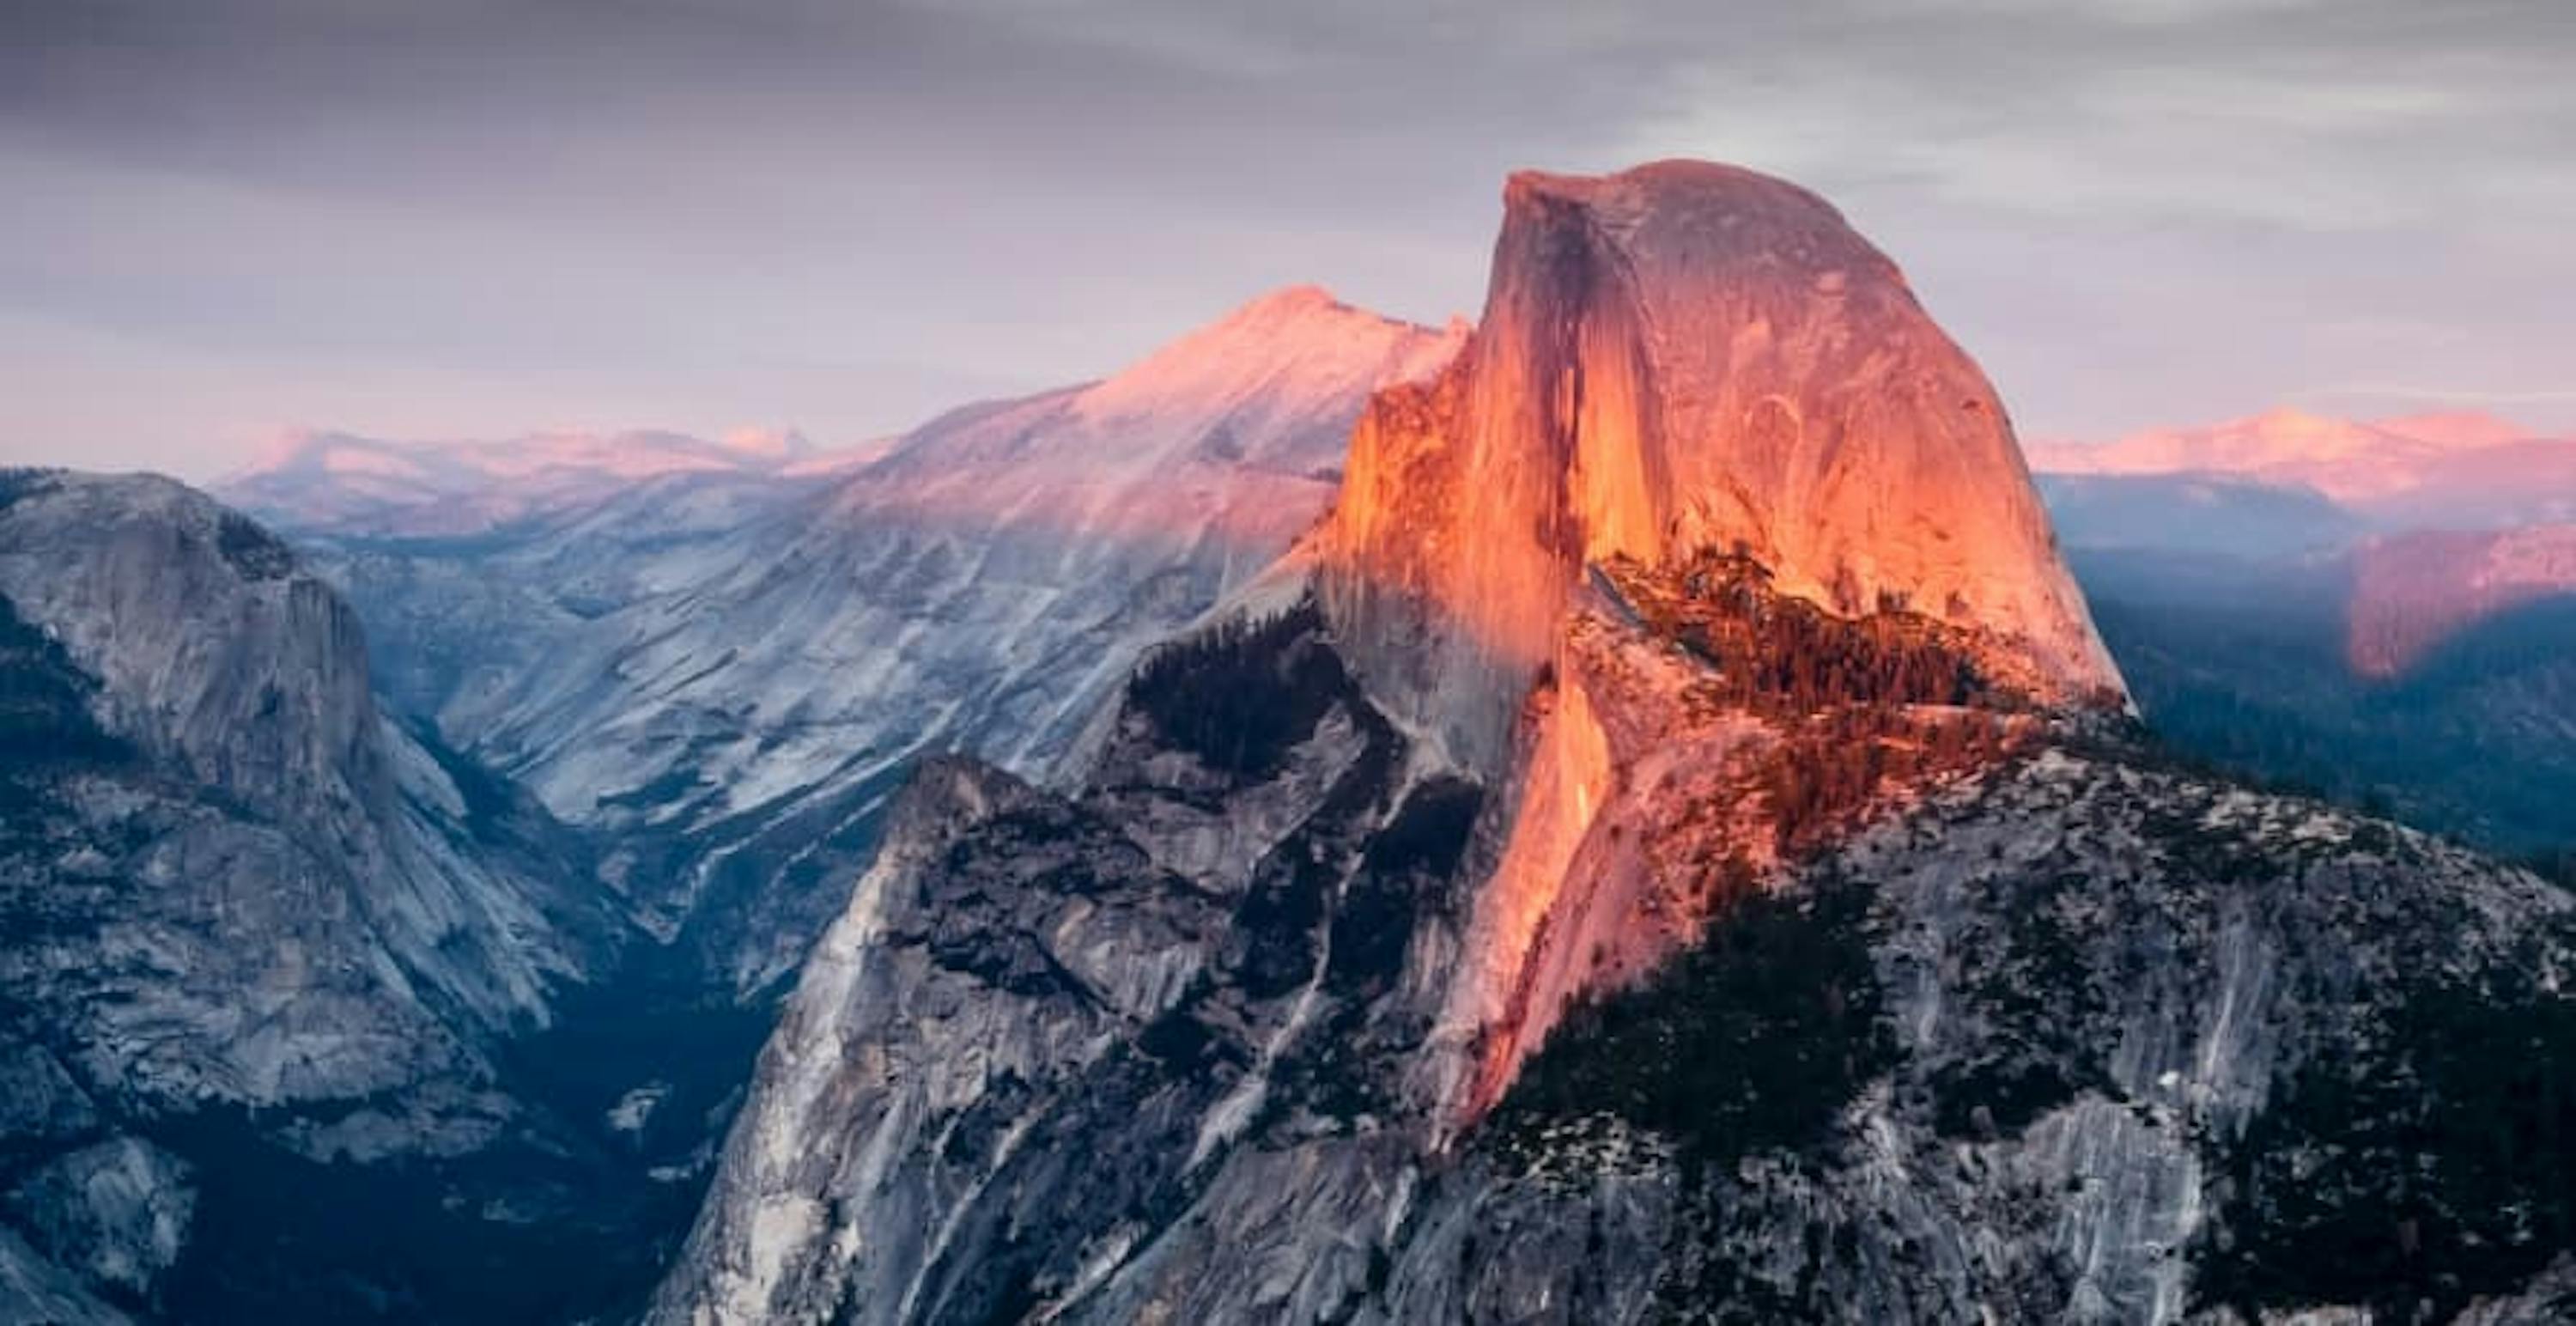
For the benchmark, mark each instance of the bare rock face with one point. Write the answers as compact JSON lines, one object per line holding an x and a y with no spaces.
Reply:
{"x":1683,"y":359}
{"x":116,"y":1212}
{"x":1681,"y":368}
{"x":241,"y":913}
{"x":205,"y":776}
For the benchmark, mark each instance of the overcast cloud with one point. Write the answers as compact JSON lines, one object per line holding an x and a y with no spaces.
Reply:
{"x":476,"y":218}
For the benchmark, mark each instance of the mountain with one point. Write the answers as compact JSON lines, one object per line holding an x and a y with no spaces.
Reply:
{"x":254,"y":927}
{"x":2428,"y":674}
{"x":1634,"y":906}
{"x":1683,"y":373}
{"x":727,"y":675}
{"x":2401,"y":649}
{"x":2197,"y":513}
{"x":1681,"y":361}
{"x":2413,"y":593}
{"x":2463,"y":469}
{"x":333,"y":482}
{"x":2400,"y":646}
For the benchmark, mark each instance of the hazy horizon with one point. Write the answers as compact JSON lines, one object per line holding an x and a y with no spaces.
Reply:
{"x":493,"y":219}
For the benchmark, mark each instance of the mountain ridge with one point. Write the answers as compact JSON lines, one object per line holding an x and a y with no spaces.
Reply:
{"x":2460,"y":469}
{"x":729,"y":672}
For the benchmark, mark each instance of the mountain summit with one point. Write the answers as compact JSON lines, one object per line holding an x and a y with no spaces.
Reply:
{"x":1666,"y":841}
{"x":1678,"y":360}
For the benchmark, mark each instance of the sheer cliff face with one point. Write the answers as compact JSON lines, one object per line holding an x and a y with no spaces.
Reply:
{"x":203,"y":667}
{"x":241,"y":915}
{"x":1683,"y":358}
{"x":1680,"y":361}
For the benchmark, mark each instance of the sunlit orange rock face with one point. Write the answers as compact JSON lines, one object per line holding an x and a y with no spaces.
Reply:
{"x":1680,"y":359}
{"x":2413,"y":593}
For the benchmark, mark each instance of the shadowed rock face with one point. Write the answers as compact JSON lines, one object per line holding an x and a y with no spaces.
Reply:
{"x":1678,"y":359}
{"x":241,"y":914}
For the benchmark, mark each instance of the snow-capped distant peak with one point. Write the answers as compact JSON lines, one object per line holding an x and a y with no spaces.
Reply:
{"x":321,"y":480}
{"x":2368,"y":463}
{"x":2282,"y":436}
{"x":2459,"y":430}
{"x":1298,"y":341}
{"x":777,"y":444}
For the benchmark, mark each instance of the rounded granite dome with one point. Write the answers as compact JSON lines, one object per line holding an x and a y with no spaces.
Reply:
{"x":1686,"y":358}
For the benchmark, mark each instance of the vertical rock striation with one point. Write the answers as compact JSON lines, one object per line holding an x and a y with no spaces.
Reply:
{"x":1679,"y":359}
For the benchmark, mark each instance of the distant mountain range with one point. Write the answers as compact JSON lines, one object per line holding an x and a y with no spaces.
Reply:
{"x":2458,"y":470}
{"x":339,"y":483}
{"x":2385,"y":610}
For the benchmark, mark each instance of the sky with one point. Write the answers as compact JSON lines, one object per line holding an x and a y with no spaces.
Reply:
{"x":478,"y":218}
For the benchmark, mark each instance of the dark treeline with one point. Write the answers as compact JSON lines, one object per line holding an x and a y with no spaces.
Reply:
{"x":1860,"y":702}
{"x":1779,"y":654}
{"x":1753,"y":1040}
{"x":1240,"y":694}
{"x":2415,"y":1170}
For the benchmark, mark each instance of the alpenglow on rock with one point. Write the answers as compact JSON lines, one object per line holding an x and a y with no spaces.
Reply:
{"x":1681,"y":366}
{"x":1677,"y":359}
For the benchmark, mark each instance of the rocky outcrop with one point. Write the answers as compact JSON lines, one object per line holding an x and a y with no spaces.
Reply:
{"x":233,"y":891}
{"x":1021,"y":976}
{"x":115,"y":1213}
{"x":1679,"y":360}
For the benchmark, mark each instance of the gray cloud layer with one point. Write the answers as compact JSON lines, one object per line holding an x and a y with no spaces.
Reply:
{"x":474,"y":217}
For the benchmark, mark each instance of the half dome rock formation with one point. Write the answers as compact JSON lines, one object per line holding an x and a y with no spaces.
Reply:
{"x":1683,"y":359}
{"x":1690,"y":380}
{"x":1638,"y":863}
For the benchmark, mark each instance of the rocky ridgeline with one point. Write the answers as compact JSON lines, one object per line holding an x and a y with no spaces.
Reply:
{"x":246,"y":915}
